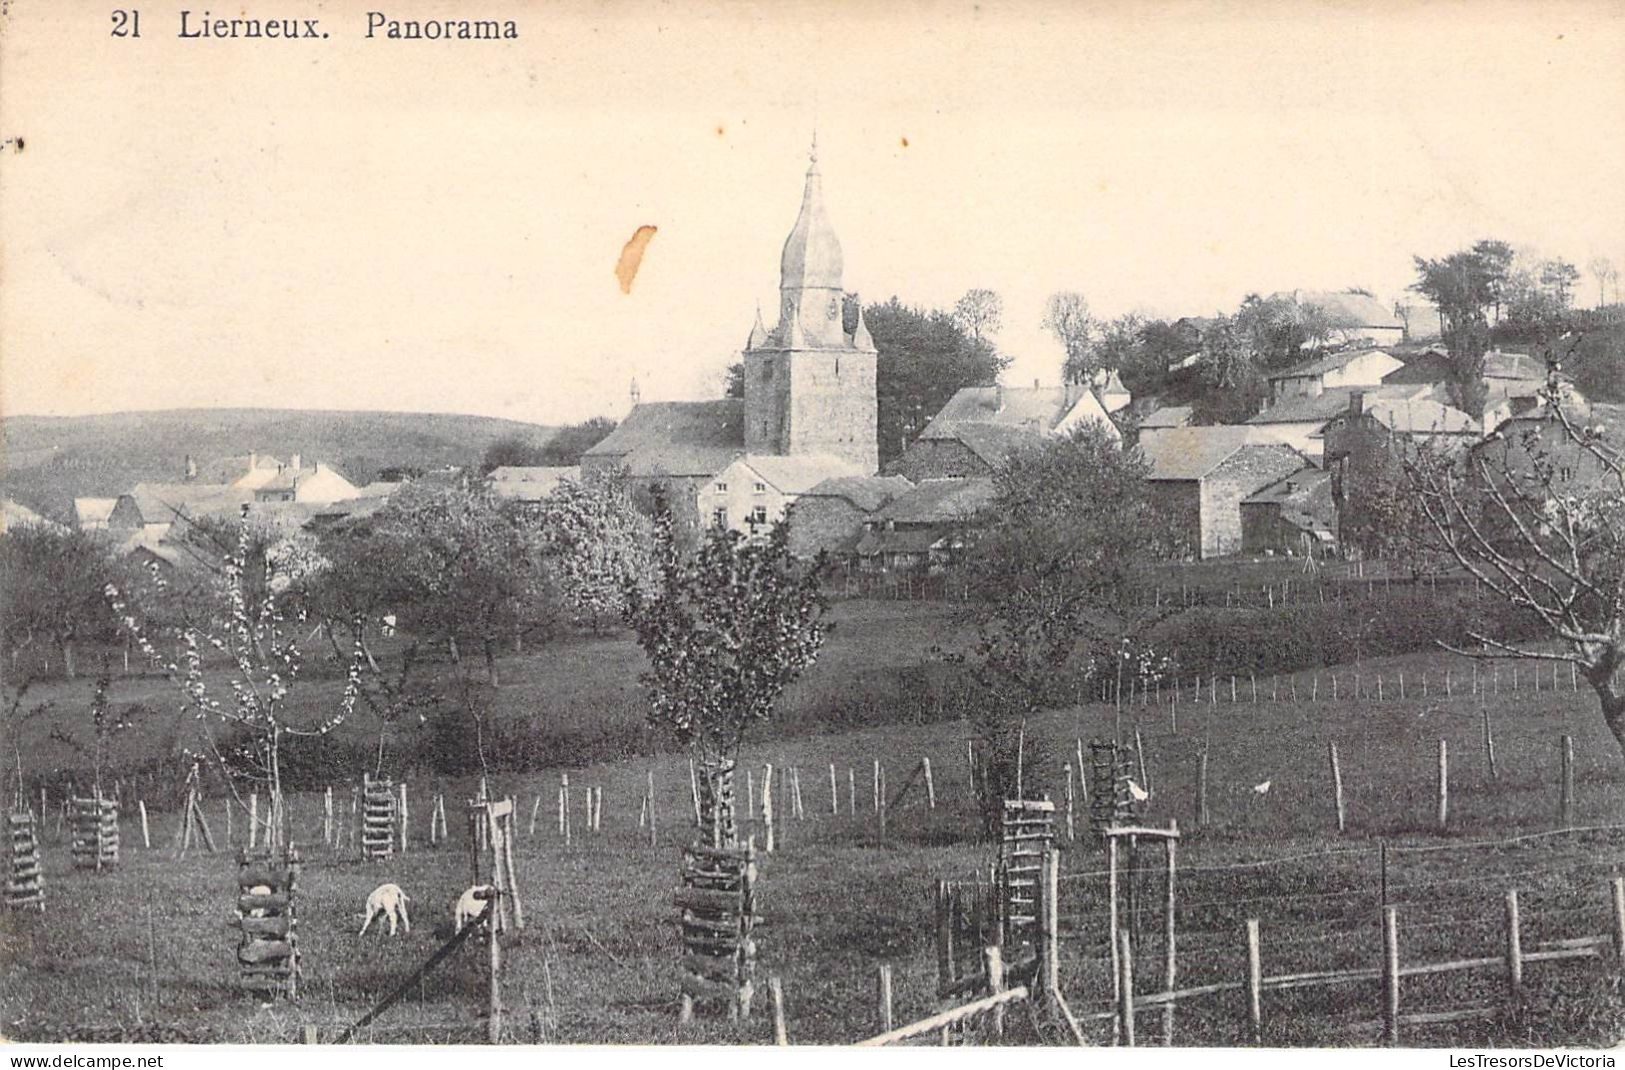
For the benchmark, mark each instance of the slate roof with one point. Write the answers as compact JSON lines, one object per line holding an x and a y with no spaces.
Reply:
{"x":1186,"y":453}
{"x":867,"y":493}
{"x":1422,"y":416}
{"x":93,"y":510}
{"x":1321,"y":365}
{"x":1329,"y":404}
{"x":1033,"y":409}
{"x":158,"y":503}
{"x":1297,"y":484}
{"x":1168,"y":416}
{"x":938,"y":501}
{"x":676,"y":438}
{"x":1346,"y":309}
{"x":799,"y":473}
{"x":530,"y":482}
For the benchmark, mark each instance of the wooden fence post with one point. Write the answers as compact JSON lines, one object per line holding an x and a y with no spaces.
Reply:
{"x":1566,"y":801}
{"x":834,"y":793}
{"x":930,"y":785}
{"x":1071,"y":828}
{"x":1255,"y":983}
{"x":651,"y":789}
{"x":776,"y":991}
{"x":1201,"y":789}
{"x":1390,"y":976}
{"x":1049,"y":905}
{"x":993,"y":966}
{"x":883,"y":997}
{"x":1337,"y":785}
{"x":146,"y":839}
{"x":1125,"y":988}
{"x":1514,"y":945}
{"x":1489,"y":744}
{"x":1444,"y":784}
{"x":945,"y":920}
{"x":1169,"y":962}
{"x":1617,"y":887}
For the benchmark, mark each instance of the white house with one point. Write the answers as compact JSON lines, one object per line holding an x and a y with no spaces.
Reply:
{"x":752,"y":493}
{"x":1350,"y":368}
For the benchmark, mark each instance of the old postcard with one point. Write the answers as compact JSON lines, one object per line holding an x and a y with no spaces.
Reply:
{"x":825,"y":523}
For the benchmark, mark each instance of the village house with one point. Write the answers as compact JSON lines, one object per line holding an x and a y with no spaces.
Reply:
{"x":1513,"y":382}
{"x":1293,"y":515}
{"x":830,"y":517}
{"x":1350,"y":368}
{"x":92,"y":514}
{"x":922,"y":528}
{"x":319,"y":484}
{"x":1200,"y":475}
{"x":1300,"y":422}
{"x":751,"y":495}
{"x":980,"y":426}
{"x":1369,"y":420}
{"x":526,"y":483}
{"x":1353,"y":317}
{"x":1169,"y":416}
{"x":809,"y":386}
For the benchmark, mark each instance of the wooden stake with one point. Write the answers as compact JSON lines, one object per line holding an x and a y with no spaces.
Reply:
{"x":1201,"y":790}
{"x":1489,"y":743}
{"x":1255,"y":983}
{"x":1071,"y":829}
{"x":1125,"y":988}
{"x":253,"y":820}
{"x":146,"y":839}
{"x":1169,"y":961}
{"x":1617,"y":887}
{"x":1566,"y":801}
{"x":1139,"y":750}
{"x":493,"y":1025}
{"x":1444,"y":785}
{"x":834,"y":792}
{"x":694,"y":792}
{"x":795,"y":790}
{"x":930,"y":786}
{"x":405,"y":819}
{"x":535,"y":809}
{"x":1337,"y":785}
{"x":1111,"y":911}
{"x":651,"y":798}
{"x":993,"y":968}
{"x":1390,"y":976}
{"x":883,"y":997}
{"x":776,"y":991}
{"x":767,"y":805}
{"x":1514,"y":949}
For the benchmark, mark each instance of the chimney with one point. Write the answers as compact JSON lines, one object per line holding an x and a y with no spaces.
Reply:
{"x":1360,"y":400}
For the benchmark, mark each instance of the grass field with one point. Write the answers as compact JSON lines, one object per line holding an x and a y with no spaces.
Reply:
{"x":598,"y":959}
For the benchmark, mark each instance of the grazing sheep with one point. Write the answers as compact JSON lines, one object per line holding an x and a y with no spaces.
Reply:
{"x":469,"y":907}
{"x":387,"y":900}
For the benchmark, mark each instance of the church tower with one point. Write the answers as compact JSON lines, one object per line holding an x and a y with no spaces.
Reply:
{"x":809,"y":384}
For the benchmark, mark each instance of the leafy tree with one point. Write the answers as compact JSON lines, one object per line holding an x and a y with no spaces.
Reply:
{"x":1066,"y":316}
{"x":1538,"y":518}
{"x":512,"y":449}
{"x":1464,"y":287}
{"x":1279,"y":332}
{"x":980,"y":314}
{"x":925,"y":357}
{"x":733,"y":380}
{"x":467,"y":567}
{"x":51,"y":583}
{"x":565,"y":448}
{"x":725,"y":631}
{"x":596,"y":542}
{"x":1050,"y":568}
{"x":1559,"y":277}
{"x":244,"y":619}
{"x":1231,"y":368}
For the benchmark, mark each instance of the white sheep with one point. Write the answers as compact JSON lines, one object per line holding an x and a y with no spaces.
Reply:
{"x":387,"y":900}
{"x":469,"y":906}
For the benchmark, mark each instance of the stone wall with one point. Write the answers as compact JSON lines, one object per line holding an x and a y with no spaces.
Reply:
{"x":1249,"y":470}
{"x":824,"y":523}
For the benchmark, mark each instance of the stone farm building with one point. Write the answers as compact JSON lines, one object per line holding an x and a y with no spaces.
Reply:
{"x":831,"y":517}
{"x":752,"y":494}
{"x":1200,"y":476}
{"x":809,"y":391}
{"x":982,"y":425}
{"x":1294,"y":515}
{"x":919,"y":529}
{"x":1300,"y":421}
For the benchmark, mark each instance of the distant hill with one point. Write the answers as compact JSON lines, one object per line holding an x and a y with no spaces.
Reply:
{"x":47,"y":461}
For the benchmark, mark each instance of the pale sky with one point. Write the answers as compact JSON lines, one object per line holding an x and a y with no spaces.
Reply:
{"x":433,"y":225}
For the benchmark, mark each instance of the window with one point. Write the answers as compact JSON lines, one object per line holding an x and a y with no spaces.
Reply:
{"x":758,"y":515}
{"x":722,"y":488}
{"x":761,"y":488}
{"x":719,"y":518}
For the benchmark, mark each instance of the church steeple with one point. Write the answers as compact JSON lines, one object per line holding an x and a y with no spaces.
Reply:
{"x":810,"y":269}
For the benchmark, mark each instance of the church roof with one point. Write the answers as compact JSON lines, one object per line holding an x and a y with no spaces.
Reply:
{"x":676,"y":438}
{"x":812,"y":253}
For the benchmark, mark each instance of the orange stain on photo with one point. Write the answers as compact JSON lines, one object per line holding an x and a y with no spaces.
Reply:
{"x":626,"y":268}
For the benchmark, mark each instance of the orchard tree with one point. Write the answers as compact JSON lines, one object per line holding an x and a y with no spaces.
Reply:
{"x":244,"y":620}
{"x":1066,"y":316}
{"x":726,"y":630}
{"x":597,"y":543}
{"x":1465,"y":286}
{"x":1050,"y":567}
{"x":51,"y":582}
{"x":1537,"y":515}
